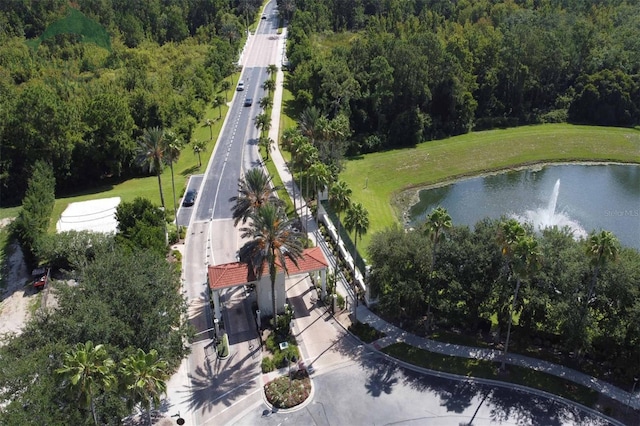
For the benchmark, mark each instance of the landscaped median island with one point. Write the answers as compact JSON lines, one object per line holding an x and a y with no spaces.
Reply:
{"x":386,"y":182}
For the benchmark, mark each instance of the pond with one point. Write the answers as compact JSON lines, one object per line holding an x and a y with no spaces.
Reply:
{"x":583,"y":197}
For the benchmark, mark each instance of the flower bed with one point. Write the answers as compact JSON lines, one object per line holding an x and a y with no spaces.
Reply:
{"x":284,"y":392}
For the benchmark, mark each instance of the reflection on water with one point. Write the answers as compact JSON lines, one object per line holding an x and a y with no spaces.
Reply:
{"x":593,"y":196}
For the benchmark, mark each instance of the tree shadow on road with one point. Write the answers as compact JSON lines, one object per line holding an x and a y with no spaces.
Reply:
{"x":224,"y":382}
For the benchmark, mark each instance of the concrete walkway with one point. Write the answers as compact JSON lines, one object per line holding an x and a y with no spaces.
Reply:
{"x":395,"y":334}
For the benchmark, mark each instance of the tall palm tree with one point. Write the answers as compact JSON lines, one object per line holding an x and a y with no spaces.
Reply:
{"x":319,"y":177}
{"x":309,"y":122}
{"x":267,"y":143}
{"x":602,"y":248}
{"x":522,"y":256}
{"x":266,"y":103}
{"x":339,"y":200}
{"x":272,"y":69}
{"x":151,"y":150}
{"x":273,"y":240}
{"x":88,"y":369}
{"x":269,"y":85}
{"x":255,"y":189}
{"x":296,"y":142}
{"x":172,"y":154}
{"x":356,"y":220}
{"x":306,"y":154}
{"x":225,"y":85}
{"x":287,"y":137}
{"x":262,"y":122}
{"x":145,"y":379}
{"x":198,"y":147}
{"x":209,"y":123}
{"x":218,"y":101}
{"x":438,"y":222}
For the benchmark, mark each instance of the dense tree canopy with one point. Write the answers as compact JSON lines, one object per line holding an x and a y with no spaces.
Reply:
{"x":81,"y":107}
{"x":571,"y":293}
{"x":126,"y":300}
{"x":409,"y":71}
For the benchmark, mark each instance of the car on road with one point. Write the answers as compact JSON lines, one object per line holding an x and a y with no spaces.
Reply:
{"x":264,"y":17}
{"x":240,"y":87}
{"x":189,"y":198}
{"x":248,"y":101}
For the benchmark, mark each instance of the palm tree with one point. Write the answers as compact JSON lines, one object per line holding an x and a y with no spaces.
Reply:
{"x":287,"y":137}
{"x":209,"y":123}
{"x":225,"y":85}
{"x":339,"y":200}
{"x":438,"y":221}
{"x":319,"y":176}
{"x":172,"y":154}
{"x":357,"y":220}
{"x":255,"y":190}
{"x":602,"y":247}
{"x":272,"y":240}
{"x":522,"y":256}
{"x":89,"y":370}
{"x":266,"y":103}
{"x":306,"y":154}
{"x":198,"y":147}
{"x":272,"y":69}
{"x":218,"y":101}
{"x":151,"y":150}
{"x":262,"y":122}
{"x":309,"y":123}
{"x":267,"y":143}
{"x":269,"y":85}
{"x":145,"y":379}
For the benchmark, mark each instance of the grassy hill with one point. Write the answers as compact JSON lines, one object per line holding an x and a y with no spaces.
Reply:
{"x":380,"y":181}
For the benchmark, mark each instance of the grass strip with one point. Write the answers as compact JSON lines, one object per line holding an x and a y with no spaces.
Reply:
{"x":490,"y":370}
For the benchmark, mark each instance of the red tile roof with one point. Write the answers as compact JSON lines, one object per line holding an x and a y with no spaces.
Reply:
{"x":236,"y":273}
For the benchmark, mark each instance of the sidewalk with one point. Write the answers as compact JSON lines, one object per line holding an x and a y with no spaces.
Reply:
{"x":394,"y":334}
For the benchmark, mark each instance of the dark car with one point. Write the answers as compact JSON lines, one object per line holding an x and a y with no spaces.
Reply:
{"x":248,"y":101}
{"x":189,"y":198}
{"x":264,"y":17}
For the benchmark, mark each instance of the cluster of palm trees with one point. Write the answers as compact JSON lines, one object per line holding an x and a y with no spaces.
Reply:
{"x":158,"y":147}
{"x":272,"y":236}
{"x":88,"y":370}
{"x":262,"y":121}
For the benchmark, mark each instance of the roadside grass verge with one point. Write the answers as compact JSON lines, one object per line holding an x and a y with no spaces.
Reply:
{"x":380,"y":181}
{"x":490,"y":370}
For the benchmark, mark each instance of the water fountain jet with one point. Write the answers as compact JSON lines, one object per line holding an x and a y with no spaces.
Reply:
{"x":542,"y":218}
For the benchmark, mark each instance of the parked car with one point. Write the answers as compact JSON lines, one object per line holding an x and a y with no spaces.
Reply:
{"x":240,"y":87}
{"x":189,"y":198}
{"x":248,"y":102}
{"x":41,"y":278}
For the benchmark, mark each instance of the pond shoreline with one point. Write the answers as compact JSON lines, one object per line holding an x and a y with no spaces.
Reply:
{"x":406,"y":198}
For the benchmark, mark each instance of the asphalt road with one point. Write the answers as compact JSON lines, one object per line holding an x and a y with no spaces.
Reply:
{"x":220,"y":389}
{"x":373,"y":391}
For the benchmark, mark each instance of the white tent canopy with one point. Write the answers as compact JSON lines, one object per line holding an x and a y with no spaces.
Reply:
{"x":94,"y":215}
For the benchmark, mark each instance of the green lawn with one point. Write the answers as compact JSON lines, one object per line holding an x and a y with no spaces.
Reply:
{"x":379,"y":180}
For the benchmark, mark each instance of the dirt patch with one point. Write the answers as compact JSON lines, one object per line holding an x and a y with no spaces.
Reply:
{"x":18,"y":294}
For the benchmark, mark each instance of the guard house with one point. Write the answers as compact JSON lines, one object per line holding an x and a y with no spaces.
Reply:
{"x":235,"y":274}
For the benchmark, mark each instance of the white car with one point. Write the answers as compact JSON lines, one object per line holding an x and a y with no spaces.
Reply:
{"x":240,"y":87}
